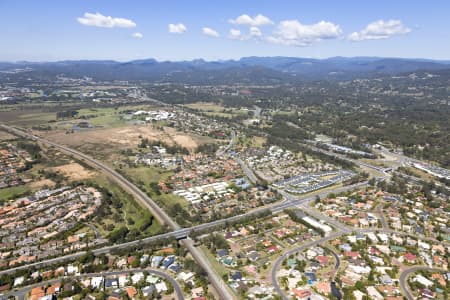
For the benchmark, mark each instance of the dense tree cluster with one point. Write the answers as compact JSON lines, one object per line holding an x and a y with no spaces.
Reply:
{"x":171,"y":149}
{"x":66,"y":114}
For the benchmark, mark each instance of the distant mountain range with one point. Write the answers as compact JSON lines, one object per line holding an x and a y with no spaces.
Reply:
{"x":261,"y":70}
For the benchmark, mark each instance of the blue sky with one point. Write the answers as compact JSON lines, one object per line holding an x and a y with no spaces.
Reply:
{"x":125,"y":30}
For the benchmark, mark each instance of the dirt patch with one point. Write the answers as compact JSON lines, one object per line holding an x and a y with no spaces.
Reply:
{"x":206,"y":106}
{"x":123,"y":137}
{"x":183,"y":140}
{"x":114,"y":137}
{"x":6,"y":136}
{"x":41,"y":183}
{"x":74,"y":171}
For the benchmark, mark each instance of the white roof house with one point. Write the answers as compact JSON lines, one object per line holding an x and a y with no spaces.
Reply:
{"x":96,"y":282}
{"x":422,"y":280}
{"x":137,"y":277}
{"x":72,"y":269}
{"x":18,"y":280}
{"x":374,"y":294}
{"x":161,"y":287}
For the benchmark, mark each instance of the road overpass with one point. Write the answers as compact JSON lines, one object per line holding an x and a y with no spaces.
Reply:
{"x":221,"y":288}
{"x":357,"y":162}
{"x":178,"y":233}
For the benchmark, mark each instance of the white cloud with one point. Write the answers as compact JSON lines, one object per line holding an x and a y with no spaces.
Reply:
{"x":379,"y":30}
{"x":210,"y":32}
{"x":177,"y":28}
{"x":294,"y":33}
{"x":235,"y":34}
{"x":255,"y":31}
{"x":99,"y":20}
{"x":137,"y":35}
{"x":257,"y":20}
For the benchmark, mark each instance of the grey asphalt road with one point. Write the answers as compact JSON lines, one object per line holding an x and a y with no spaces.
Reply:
{"x":248,"y":172}
{"x":406,"y":273}
{"x":94,"y":229}
{"x":337,"y":258}
{"x":217,"y":282}
{"x":222,"y":289}
{"x":182,"y":231}
{"x":276,"y":265}
{"x":221,"y":152}
{"x":23,"y":291}
{"x":384,"y":223}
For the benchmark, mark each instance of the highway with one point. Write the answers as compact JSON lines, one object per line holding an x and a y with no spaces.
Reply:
{"x":159,"y":214}
{"x":177,"y":232}
{"x":420,"y":180}
{"x":221,"y":288}
{"x":23,"y":291}
{"x":359,"y":163}
{"x":406,"y":273}
{"x":184,"y":232}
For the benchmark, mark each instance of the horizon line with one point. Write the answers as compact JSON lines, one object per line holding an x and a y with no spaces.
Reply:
{"x":222,"y":59}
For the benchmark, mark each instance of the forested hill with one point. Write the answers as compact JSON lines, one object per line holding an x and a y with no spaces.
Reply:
{"x":248,"y":70}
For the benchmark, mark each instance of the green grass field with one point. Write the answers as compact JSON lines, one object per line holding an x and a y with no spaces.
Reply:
{"x":254,"y":141}
{"x":13,"y":192}
{"x":146,"y":175}
{"x":212,"y":109}
{"x":221,"y":269}
{"x":171,"y":199}
{"x":130,"y":209}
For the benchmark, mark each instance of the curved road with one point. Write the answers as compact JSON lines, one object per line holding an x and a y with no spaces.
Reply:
{"x":222,"y":289}
{"x":182,"y":232}
{"x":122,"y":181}
{"x":22,"y":292}
{"x":406,"y":273}
{"x":220,"y":153}
{"x":336,"y":257}
{"x":276,"y":265}
{"x":94,"y":229}
{"x":217,"y":282}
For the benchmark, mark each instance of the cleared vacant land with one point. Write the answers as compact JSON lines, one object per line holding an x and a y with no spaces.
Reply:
{"x":144,"y":177}
{"x":213,"y":109}
{"x":119,"y":210}
{"x":4,"y":136}
{"x":74,"y":171}
{"x":125,"y":137}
